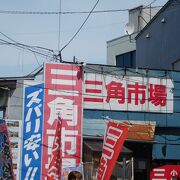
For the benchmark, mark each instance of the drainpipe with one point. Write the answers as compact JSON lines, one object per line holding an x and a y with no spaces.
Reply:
{"x":7,"y":110}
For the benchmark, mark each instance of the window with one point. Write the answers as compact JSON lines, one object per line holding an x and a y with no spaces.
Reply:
{"x":126,"y":60}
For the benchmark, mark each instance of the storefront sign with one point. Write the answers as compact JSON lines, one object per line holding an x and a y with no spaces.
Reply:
{"x":32,"y":131}
{"x":140,"y":130}
{"x":128,"y":93}
{"x":63,"y":97}
{"x":113,"y":141}
{"x":167,"y":172}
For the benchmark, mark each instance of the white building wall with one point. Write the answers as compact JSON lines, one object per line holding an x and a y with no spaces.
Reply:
{"x":138,"y":18}
{"x":120,"y":46}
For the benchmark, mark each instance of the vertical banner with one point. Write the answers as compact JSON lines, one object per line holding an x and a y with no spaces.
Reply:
{"x":32,"y":131}
{"x":63,"y":95}
{"x":6,"y":169}
{"x":54,"y":171}
{"x":113,"y":141}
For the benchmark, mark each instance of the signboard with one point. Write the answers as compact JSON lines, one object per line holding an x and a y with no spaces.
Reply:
{"x":14,"y":132}
{"x":113,"y":141}
{"x":63,"y":95}
{"x":140,"y":130}
{"x":128,"y":93}
{"x":32,"y":130}
{"x":167,"y":172}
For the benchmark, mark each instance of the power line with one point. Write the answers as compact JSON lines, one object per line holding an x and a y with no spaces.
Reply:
{"x":38,"y":47}
{"x":59,"y":23}
{"x":79,"y":28}
{"x":149,"y":5}
{"x":28,"y":48}
{"x":66,"y":12}
{"x":110,"y":74}
{"x":34,"y":49}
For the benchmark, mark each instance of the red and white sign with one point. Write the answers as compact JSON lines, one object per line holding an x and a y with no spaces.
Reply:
{"x":128,"y":93}
{"x":113,"y":141}
{"x":63,"y":97}
{"x":54,"y":171}
{"x":166,"y":172}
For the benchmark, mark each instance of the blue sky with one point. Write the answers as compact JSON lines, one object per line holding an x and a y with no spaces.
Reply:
{"x":42,"y":30}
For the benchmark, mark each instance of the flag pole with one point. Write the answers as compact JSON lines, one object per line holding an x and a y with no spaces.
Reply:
{"x":60,"y":149}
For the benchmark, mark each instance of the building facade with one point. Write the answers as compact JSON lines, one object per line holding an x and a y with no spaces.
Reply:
{"x":165,"y":147}
{"x":147,"y":100}
{"x":157,"y":45}
{"x":121,"y":51}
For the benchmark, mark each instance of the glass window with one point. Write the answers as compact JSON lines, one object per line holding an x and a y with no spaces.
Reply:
{"x":126,"y":60}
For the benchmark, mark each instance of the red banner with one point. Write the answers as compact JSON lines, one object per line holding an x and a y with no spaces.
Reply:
{"x":167,"y":172}
{"x":113,"y":141}
{"x":63,"y":97}
{"x":54,"y":171}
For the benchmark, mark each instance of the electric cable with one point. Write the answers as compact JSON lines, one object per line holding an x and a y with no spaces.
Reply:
{"x":26,"y":48}
{"x":66,"y":12}
{"x":24,"y":44}
{"x":79,"y":28}
{"x":59,"y":23}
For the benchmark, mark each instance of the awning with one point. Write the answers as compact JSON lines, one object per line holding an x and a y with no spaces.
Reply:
{"x":96,"y":146}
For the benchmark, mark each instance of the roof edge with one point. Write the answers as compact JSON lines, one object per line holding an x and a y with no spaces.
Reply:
{"x":150,"y":22}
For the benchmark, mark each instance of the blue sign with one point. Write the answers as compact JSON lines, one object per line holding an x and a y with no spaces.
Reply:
{"x":32,"y":131}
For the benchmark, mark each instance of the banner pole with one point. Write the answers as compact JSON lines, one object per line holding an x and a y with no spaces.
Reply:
{"x":132,"y":164}
{"x":124,"y":168}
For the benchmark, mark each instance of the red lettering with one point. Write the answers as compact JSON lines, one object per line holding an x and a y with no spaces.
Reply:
{"x":137,"y":90}
{"x":115,"y":91}
{"x":157,"y":94}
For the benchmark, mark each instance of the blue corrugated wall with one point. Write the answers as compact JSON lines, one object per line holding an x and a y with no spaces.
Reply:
{"x":168,"y":139}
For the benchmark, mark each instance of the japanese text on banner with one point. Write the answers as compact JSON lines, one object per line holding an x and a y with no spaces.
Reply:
{"x":63,"y":93}
{"x":32,"y":131}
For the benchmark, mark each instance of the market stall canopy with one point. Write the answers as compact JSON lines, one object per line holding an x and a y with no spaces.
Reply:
{"x":96,"y":146}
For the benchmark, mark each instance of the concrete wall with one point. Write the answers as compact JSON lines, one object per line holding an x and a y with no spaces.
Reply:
{"x":16,"y":102}
{"x":119,"y":46}
{"x":159,"y":44}
{"x":140,"y":16}
{"x":137,"y":19}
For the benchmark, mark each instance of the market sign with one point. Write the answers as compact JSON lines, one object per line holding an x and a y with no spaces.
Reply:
{"x":63,"y":98}
{"x":32,"y":130}
{"x":128,"y":93}
{"x":167,"y":172}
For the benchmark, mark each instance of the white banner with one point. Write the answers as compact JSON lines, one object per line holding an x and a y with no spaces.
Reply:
{"x":128,"y":93}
